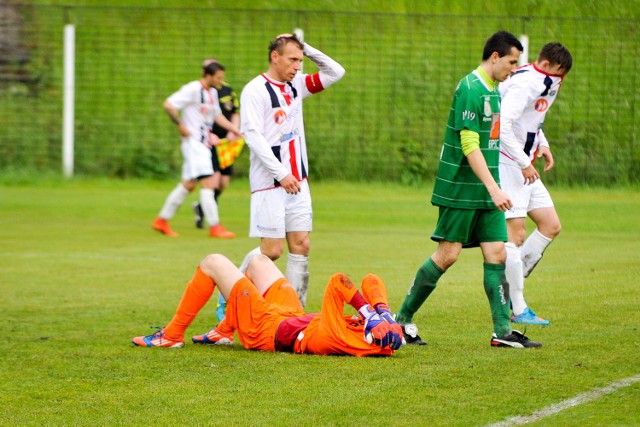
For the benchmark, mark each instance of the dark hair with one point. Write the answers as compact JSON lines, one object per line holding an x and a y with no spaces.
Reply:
{"x":501,"y":42}
{"x":279,"y":43}
{"x":556,"y":54}
{"x":212,"y":68}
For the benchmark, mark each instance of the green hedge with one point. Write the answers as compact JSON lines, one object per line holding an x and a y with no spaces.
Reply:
{"x":383,"y":121}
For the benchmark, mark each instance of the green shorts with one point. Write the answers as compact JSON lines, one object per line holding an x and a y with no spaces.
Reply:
{"x":470,"y":226}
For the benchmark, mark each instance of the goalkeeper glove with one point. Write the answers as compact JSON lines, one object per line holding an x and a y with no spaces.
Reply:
{"x":376,"y":330}
{"x":395,"y":330}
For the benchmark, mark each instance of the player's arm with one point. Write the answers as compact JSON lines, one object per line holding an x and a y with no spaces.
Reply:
{"x":262,"y":150}
{"x":512,"y":107}
{"x":329,"y":71}
{"x":174,"y":115}
{"x":235,"y":120}
{"x":252,"y":129}
{"x":470,"y":141}
{"x":235,"y":117}
{"x":221,"y":120}
{"x":544,"y":151}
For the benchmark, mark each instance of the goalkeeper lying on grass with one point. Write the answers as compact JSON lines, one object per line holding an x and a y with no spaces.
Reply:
{"x":265,"y":312}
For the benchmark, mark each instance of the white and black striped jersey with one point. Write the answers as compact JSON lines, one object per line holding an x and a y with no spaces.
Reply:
{"x":526,"y":96}
{"x":272,"y":124}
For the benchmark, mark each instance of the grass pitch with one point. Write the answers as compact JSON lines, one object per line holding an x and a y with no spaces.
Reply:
{"x":81,"y":273}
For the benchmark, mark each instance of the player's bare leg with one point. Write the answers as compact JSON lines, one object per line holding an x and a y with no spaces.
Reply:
{"x":548,"y":228}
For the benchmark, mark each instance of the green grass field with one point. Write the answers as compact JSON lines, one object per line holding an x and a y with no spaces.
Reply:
{"x":81,"y":273}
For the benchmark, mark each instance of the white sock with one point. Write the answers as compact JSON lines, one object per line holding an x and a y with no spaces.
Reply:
{"x":209,"y":207}
{"x":175,"y":199}
{"x":298,"y":275}
{"x":532,"y":251}
{"x":247,"y":258}
{"x":513,"y":272}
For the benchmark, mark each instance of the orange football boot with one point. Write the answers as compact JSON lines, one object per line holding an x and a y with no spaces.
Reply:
{"x":162,"y":225}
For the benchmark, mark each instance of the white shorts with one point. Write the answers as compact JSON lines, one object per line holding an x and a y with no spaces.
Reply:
{"x":274,"y":212}
{"x":196,"y":159}
{"x":525,"y":198}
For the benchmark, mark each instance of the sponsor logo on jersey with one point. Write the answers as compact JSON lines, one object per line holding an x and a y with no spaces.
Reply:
{"x":279,"y":117}
{"x":468,"y":115}
{"x":494,"y":134}
{"x":289,"y":136}
{"x":541,"y":105}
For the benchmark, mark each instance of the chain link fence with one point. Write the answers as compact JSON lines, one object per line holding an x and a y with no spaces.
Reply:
{"x":383,"y":121}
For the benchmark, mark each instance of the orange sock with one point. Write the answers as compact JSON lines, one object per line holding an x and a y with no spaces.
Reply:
{"x":196,"y":295}
{"x":224,"y":328}
{"x":374,"y":291}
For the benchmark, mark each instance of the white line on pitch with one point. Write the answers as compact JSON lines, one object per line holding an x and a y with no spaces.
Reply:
{"x":588,"y":396}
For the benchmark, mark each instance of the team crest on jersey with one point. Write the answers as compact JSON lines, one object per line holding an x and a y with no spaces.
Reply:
{"x":541,"y":105}
{"x":228,"y":105}
{"x":279,"y":117}
{"x":487,"y":107}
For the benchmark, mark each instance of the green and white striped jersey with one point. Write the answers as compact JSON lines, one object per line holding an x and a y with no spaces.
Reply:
{"x":475,"y":106}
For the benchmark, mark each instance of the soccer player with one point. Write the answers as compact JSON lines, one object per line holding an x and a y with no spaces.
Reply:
{"x":267,"y":315}
{"x":273,"y":128}
{"x":468,"y":195}
{"x":526,"y":97}
{"x":230,"y":107}
{"x":193,"y":109}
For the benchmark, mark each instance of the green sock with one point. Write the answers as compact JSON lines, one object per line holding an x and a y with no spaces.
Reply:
{"x":497,"y":290}
{"x":424,"y":283}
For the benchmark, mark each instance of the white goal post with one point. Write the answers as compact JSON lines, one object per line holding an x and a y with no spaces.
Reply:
{"x":68,"y":99}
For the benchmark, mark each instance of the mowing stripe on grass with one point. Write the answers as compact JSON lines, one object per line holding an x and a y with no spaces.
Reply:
{"x":81,"y":255}
{"x":588,"y":396}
